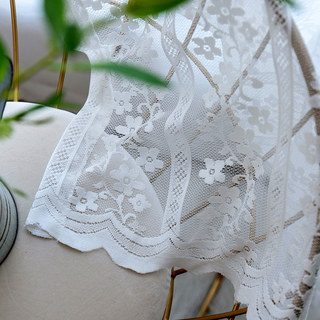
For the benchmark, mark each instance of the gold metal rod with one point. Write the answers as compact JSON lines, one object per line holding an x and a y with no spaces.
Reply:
{"x":235,"y":307}
{"x":317,"y":120}
{"x":175,"y":273}
{"x":61,"y":77}
{"x":222,"y":315}
{"x":15,"y":50}
{"x":211,"y":294}
{"x":167,"y":310}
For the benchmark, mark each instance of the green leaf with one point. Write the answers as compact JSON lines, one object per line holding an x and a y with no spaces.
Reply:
{"x":3,"y":61}
{"x":142,"y":8}
{"x":291,"y":3}
{"x":38,"y":122}
{"x":20,"y":115}
{"x":5,"y":128}
{"x":73,"y":37}
{"x":123,"y":69}
{"x":52,"y":100}
{"x":19,"y":192}
{"x":4,"y":183}
{"x":55,"y":16}
{"x":65,"y":36}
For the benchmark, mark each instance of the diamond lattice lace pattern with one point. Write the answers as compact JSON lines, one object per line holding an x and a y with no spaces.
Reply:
{"x":218,"y":173}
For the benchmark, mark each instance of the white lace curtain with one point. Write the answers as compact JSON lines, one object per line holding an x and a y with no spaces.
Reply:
{"x":218,"y":173}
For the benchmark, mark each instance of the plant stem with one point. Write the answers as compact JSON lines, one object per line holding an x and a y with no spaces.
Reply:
{"x":44,"y":62}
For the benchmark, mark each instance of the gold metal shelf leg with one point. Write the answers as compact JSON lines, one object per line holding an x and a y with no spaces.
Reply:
{"x":15,"y":50}
{"x":225,"y":315}
{"x":235,"y":307}
{"x":167,"y":310}
{"x":211,"y":294}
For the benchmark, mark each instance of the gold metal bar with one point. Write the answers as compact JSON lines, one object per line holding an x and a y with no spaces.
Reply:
{"x":211,"y":294}
{"x":61,"y":76}
{"x":317,"y":120}
{"x":175,"y":273}
{"x":235,"y":307}
{"x":304,"y":58}
{"x":222,"y":315}
{"x":15,"y":50}
{"x":167,"y":310}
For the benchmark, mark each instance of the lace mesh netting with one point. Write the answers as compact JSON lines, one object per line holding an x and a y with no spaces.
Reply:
{"x":218,"y":173}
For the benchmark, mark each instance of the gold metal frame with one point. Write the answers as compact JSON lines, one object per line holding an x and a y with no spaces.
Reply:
{"x":307,"y":69}
{"x":15,"y":42}
{"x":205,"y":305}
{"x":210,"y":295}
{"x":15,"y":50}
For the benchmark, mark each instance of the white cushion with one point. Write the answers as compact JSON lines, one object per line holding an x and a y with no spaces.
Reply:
{"x":42,"y":279}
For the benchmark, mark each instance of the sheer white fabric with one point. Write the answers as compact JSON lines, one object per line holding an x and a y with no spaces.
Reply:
{"x":218,"y":173}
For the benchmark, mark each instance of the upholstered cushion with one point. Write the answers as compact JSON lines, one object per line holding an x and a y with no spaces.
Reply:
{"x":42,"y":279}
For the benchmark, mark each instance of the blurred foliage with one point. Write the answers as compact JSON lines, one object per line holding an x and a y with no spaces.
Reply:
{"x":291,"y":3}
{"x":123,"y":69}
{"x":15,"y":190}
{"x":7,"y":123}
{"x":3,"y":60}
{"x":6,"y":128}
{"x":66,"y":37}
{"x":143,"y":8}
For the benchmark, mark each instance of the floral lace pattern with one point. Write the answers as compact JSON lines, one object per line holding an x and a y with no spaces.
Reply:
{"x":218,"y":173}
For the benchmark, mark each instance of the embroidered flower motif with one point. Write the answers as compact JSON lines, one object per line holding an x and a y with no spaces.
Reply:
{"x":96,"y":163}
{"x":122,"y":20}
{"x":223,"y":9}
{"x":245,"y":246}
{"x":258,"y":167}
{"x":139,"y":202}
{"x":214,"y":223}
{"x":122,"y":102}
{"x":210,"y":98}
{"x":248,"y":32}
{"x":281,"y":289}
{"x":207,"y":47}
{"x":94,"y":4}
{"x":308,"y":205}
{"x":144,"y":50}
{"x":245,"y":140}
{"x":132,"y":125}
{"x":84,"y":200}
{"x":103,"y":195}
{"x":260,"y":119}
{"x":310,"y":147}
{"x":227,"y":199}
{"x":213,"y":171}
{"x":226,"y":77}
{"x":209,"y":127}
{"x":148,"y":159}
{"x":126,"y":180}
{"x":190,"y":11}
